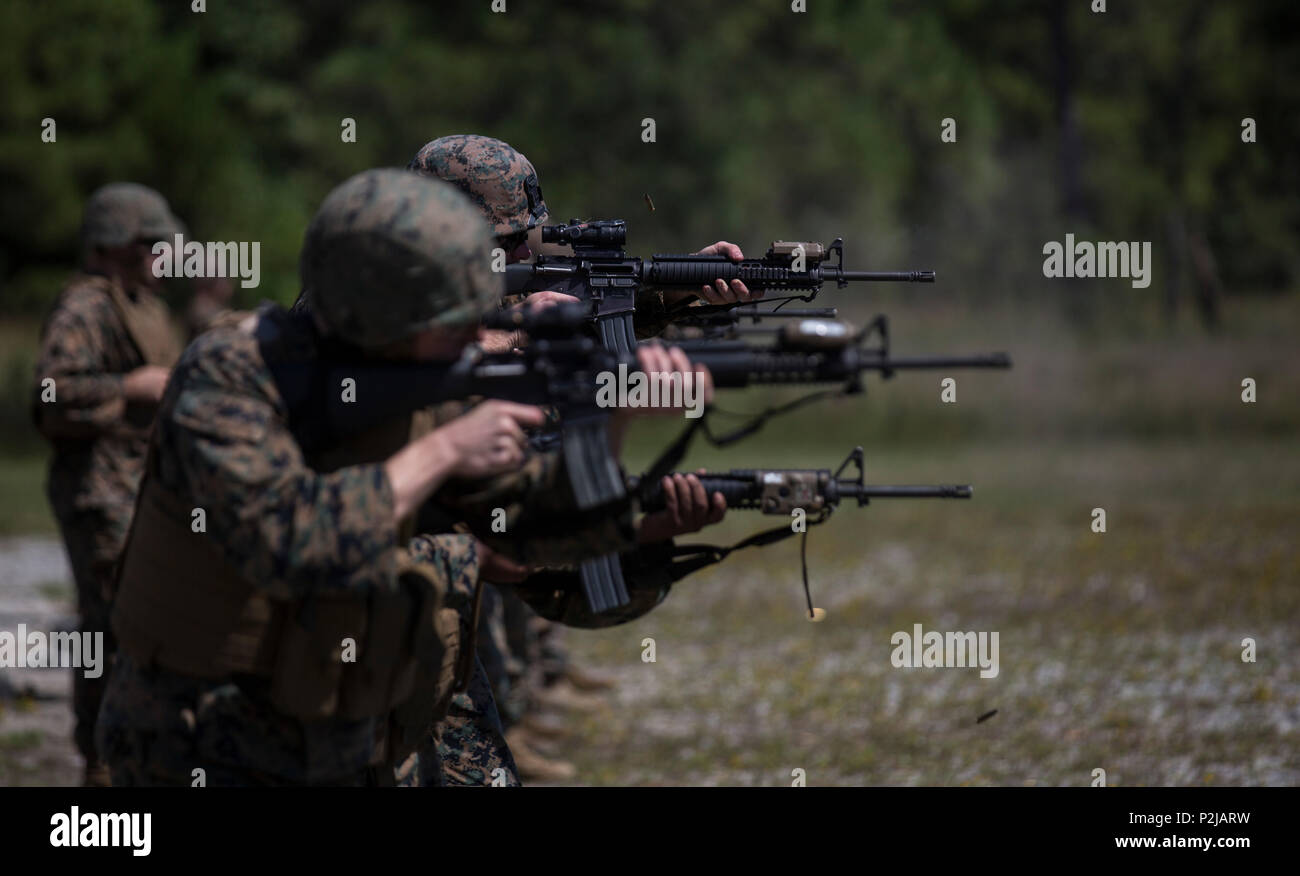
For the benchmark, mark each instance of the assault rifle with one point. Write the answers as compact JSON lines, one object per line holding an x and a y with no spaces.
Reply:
{"x":819,"y":351}
{"x":562,"y":366}
{"x":601,"y":273}
{"x":782,"y":492}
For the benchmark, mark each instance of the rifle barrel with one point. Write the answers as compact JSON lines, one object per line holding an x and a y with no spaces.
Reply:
{"x":876,"y":491}
{"x":884,"y":276}
{"x":982,"y":360}
{"x":748,"y":311}
{"x":743,"y":489}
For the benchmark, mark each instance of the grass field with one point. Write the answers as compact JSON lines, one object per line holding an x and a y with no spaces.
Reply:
{"x":1118,"y":650}
{"x":25,"y":510}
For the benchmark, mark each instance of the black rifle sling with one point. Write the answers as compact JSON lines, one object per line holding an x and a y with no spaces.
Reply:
{"x":690,"y":558}
{"x":669,"y":459}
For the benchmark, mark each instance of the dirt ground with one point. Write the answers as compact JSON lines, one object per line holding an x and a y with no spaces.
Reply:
{"x":35,"y":706}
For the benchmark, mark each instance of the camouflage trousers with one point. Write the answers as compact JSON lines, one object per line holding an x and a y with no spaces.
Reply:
{"x":469,"y":744}
{"x":157,"y":728}
{"x":92,"y":545}
{"x":505,"y":666}
{"x":539,"y":642}
{"x":516,"y":653}
{"x":520,"y":651}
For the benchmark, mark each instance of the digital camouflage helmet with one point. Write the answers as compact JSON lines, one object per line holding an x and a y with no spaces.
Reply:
{"x":497,"y":178}
{"x":119,"y":213}
{"x":389,"y":254}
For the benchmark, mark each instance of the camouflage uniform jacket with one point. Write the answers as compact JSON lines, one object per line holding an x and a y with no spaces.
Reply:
{"x":99,"y":438}
{"x":223,"y":443}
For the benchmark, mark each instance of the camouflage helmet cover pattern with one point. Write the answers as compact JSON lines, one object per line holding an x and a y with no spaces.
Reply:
{"x":388,"y":255}
{"x":500,"y":181}
{"x":119,"y":213}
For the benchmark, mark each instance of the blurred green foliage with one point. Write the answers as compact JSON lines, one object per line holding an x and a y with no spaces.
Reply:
{"x":769,"y":124}
{"x":1117,"y":126}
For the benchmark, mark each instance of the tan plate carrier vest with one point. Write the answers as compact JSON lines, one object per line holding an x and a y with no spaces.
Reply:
{"x":182,"y":607}
{"x":146,"y":321}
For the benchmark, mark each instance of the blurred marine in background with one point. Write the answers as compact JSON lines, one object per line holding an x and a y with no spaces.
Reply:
{"x":105,"y":354}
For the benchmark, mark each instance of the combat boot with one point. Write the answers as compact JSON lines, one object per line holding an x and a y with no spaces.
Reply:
{"x":543,"y":725}
{"x":532,"y":765}
{"x":563,"y":695}
{"x":585,"y":678}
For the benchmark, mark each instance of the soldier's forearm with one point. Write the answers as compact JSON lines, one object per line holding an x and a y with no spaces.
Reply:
{"x":416,"y":471}
{"x":78,"y":406}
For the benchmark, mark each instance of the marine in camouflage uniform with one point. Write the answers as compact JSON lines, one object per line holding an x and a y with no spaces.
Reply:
{"x":107,"y":327}
{"x":470,"y":740}
{"x":514,"y":643}
{"x":304,"y":534}
{"x":504,"y":185}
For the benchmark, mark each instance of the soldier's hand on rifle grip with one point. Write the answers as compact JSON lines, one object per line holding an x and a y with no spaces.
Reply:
{"x":661,"y":365}
{"x":686,"y":509}
{"x":669,"y":368}
{"x":490,"y":439}
{"x":541,"y":300}
{"x":486,"y":441}
{"x":497,"y":341}
{"x":720,"y":292}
